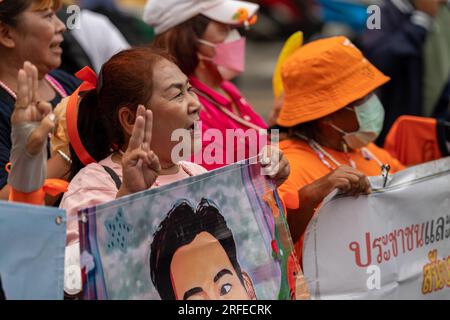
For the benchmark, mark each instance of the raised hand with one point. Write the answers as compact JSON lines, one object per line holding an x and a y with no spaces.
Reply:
{"x":29,"y":109}
{"x":274,"y":164}
{"x":140,"y":165}
{"x":31,"y":122}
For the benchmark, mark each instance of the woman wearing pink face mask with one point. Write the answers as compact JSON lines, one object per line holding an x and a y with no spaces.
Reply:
{"x":202,"y":36}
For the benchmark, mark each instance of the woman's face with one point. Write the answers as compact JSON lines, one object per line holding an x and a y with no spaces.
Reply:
{"x":37,"y":38}
{"x":215,"y":32}
{"x":175,"y":106}
{"x":345,"y":119}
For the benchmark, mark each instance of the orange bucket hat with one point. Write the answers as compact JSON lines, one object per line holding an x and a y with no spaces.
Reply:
{"x":323,"y":77}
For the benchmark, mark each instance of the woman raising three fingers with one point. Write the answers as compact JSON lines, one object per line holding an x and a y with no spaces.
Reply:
{"x":125,"y":126}
{"x":31,"y":122}
{"x":30,"y":31}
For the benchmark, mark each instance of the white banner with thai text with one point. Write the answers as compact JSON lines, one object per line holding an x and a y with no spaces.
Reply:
{"x":392,"y":244}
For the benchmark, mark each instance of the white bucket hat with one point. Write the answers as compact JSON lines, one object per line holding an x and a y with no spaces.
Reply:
{"x":165,"y":14}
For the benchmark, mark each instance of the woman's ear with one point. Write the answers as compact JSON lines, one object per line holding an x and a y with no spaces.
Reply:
{"x":248,"y":284}
{"x":6,"y":38}
{"x":127,"y":117}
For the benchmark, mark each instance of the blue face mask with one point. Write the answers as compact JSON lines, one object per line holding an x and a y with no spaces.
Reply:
{"x":370,"y":115}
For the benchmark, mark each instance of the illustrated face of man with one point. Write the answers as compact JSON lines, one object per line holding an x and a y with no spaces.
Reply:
{"x":202,"y":270}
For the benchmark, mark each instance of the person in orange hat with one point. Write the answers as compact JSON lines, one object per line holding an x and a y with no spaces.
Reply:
{"x":328,"y":121}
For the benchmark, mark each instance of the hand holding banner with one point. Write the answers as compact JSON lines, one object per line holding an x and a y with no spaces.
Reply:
{"x":392,"y":244}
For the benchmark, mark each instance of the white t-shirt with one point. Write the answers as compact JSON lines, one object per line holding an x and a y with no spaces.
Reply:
{"x":98,"y":37}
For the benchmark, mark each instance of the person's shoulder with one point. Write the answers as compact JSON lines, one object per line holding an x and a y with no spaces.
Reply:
{"x":59,"y":74}
{"x":93,"y":176}
{"x":299,"y":154}
{"x":379,"y":152}
{"x":231,"y":88}
{"x":6,"y":103}
{"x":228,"y":84}
{"x":66,"y":80}
{"x":294,"y":146}
{"x":374,"y":148}
{"x":384,"y":156}
{"x":6,"y":110}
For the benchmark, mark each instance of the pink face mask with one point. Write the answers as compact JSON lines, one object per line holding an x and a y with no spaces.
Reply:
{"x":230,"y":55}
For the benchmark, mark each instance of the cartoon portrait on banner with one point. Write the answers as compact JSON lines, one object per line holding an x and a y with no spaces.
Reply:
{"x":220,"y":235}
{"x":178,"y":266}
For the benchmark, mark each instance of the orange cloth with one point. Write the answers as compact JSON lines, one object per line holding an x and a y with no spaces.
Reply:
{"x":306,"y":167}
{"x":413,"y":140}
{"x":52,"y":187}
{"x":323,"y":77}
{"x":36,"y":197}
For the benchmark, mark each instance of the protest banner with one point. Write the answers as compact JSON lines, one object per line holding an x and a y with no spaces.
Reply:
{"x":392,"y":244}
{"x":220,"y":235}
{"x":32,"y":244}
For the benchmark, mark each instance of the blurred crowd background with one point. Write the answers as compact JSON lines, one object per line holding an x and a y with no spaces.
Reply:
{"x":277,"y":20}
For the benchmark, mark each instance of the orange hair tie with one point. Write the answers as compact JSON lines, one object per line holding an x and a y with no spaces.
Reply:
{"x":89,"y":83}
